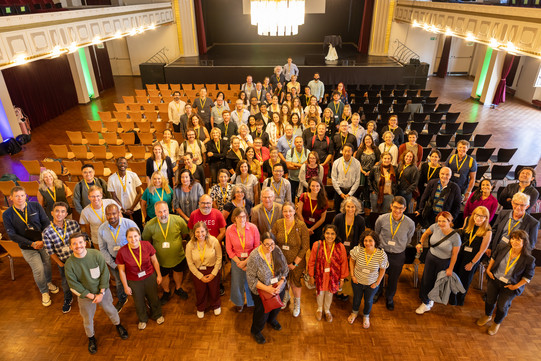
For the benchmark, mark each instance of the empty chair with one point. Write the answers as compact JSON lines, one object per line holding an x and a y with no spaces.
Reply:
{"x":481,"y":170}
{"x":140,"y":93}
{"x":153,"y":93}
{"x":93,"y":138}
{"x":424,"y":139}
{"x":138,"y":151}
{"x":121,"y":116}
{"x":61,"y":151}
{"x":459,"y":137}
{"x":468,"y":127}
{"x":450,"y":128}
{"x":186,"y":87}
{"x":74,"y":169}
{"x":111,"y":126}
{"x":419,"y":117}
{"x":151,"y":86}
{"x":53,"y":165}
{"x":100,"y":152}
{"x":148,"y":108}
{"x":451,"y":117}
{"x":31,"y":187}
{"x":159,"y":127}
{"x":146,"y":138}
{"x":111,"y":139}
{"x":128,"y":99}
{"x":433,"y":127}
{"x":443,"y":108}
{"x":223,"y":87}
{"x":76,"y":137}
{"x":95,"y":125}
{"x":143,"y":126}
{"x":425,"y":93}
{"x":402,"y":116}
{"x":499,"y":172}
{"x":163,"y":107}
{"x":410,"y":93}
{"x":417,"y":126}
{"x":480,"y":140}
{"x":435,"y":117}
{"x":81,"y":152}
{"x":127,"y":125}
{"x":175,"y":87}
{"x":100,"y":169}
{"x":504,"y":155}
{"x":119,"y":151}
{"x":442,"y":140}
{"x":383,"y":108}
{"x":151,"y":116}
{"x":370,"y":116}
{"x":154,"y":100}
{"x":482,"y":155}
{"x":5,"y":189}
{"x":135,"y":116}
{"x":121,"y":107}
{"x":105,"y":116}
{"x":445,"y":153}
{"x":417,"y":100}
{"x":134,"y":107}
{"x":429,"y":108}
{"x":128,"y":138}
{"x":211,"y":87}
{"x":138,"y":168}
{"x":163,"y":116}
{"x":426,"y":152}
{"x":164,"y":88}
{"x":141,"y":99}
{"x":431,"y":100}
{"x":401,"y":100}
{"x":32,"y":167}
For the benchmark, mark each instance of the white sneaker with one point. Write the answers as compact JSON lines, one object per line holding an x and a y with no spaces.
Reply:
{"x":142,"y":325}
{"x":45,"y":299}
{"x":217,"y":311}
{"x":296,"y":307}
{"x":423,"y":308}
{"x":160,"y":320}
{"x":52,"y":288}
{"x":430,"y":303}
{"x":200,"y":314}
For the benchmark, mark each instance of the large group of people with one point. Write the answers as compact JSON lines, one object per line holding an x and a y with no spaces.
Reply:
{"x":265,"y":209}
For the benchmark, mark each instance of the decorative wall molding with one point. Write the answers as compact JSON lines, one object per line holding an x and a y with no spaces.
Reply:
{"x":513,"y":29}
{"x":34,"y":36}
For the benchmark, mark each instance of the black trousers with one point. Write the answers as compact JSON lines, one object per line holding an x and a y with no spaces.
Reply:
{"x":396,"y":262}
{"x":137,"y":217}
{"x":338,"y":199}
{"x":260,"y":317}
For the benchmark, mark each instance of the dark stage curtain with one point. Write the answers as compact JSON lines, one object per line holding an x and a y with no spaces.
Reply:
{"x":102,"y":67}
{"x":200,"y":22}
{"x":444,"y":61}
{"x":366,"y":27}
{"x":44,"y":88}
{"x":499,"y":95}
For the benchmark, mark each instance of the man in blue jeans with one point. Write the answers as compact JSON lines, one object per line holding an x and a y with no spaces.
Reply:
{"x":24,"y":222}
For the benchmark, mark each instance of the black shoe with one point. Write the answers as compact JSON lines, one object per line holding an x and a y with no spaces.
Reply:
{"x":92,"y":345}
{"x":181,"y":293}
{"x":165,"y":298}
{"x":276,"y":325}
{"x":390,"y":305}
{"x":342,"y":297}
{"x":120,"y":304}
{"x":259,"y":338}
{"x":66,"y":307}
{"x":122,"y":332}
{"x":222,"y":290}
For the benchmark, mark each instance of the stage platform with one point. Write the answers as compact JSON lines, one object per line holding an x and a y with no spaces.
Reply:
{"x":230,"y":63}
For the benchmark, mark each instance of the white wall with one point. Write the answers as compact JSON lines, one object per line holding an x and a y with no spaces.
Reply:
{"x":527,"y":71}
{"x":143,"y":46}
{"x":417,"y":40}
{"x":119,"y":56}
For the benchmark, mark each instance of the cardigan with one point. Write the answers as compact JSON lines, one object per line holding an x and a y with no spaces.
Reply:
{"x":528,"y":224}
{"x":524,"y":268}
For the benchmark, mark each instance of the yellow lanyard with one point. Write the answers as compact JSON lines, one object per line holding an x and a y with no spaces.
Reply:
{"x":290,"y":143}
{"x":192,"y":146}
{"x":167,"y":147}
{"x":25,"y":219}
{"x":312,"y":209}
{"x":224,"y":193}
{"x":266,"y":215}
{"x":343,"y":139}
{"x":366,"y":258}
{"x":140,"y":262}
{"x":391,"y":225}
{"x":428,"y":174}
{"x":271,"y":264}
{"x":472,"y":237}
{"x":244,"y":182}
{"x":461,"y":164}
{"x":87,"y":186}
{"x":346,"y":170}
{"x":177,"y":105}
{"x":508,"y":267}
{"x":122,"y":183}
{"x":158,"y":166}
{"x":161,"y":197}
{"x":53,"y":195}
{"x":218,"y":146}
{"x":348,"y":232}
{"x":509,"y":225}
{"x":403,"y":169}
{"x":325,"y":250}
{"x":242,"y":240}
{"x":286,"y":231}
{"x":166,"y":229}
{"x":202,"y":103}
{"x":59,"y":236}
{"x":279,"y":189}
{"x":385,"y":148}
{"x":336,"y":107}
{"x":201,"y":255}
{"x":238,"y":154}
{"x":198,"y":132}
{"x":102,"y":218}
{"x":259,"y":156}
{"x":115,"y":237}
{"x":225,"y":127}
{"x":299,"y":159}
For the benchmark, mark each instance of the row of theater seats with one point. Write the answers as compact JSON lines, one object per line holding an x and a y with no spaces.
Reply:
{"x":18,"y":7}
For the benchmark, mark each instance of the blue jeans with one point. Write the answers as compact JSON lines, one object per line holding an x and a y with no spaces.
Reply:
{"x":40,"y":263}
{"x":65,"y":287}
{"x":360,"y":291}
{"x":239,"y":287}
{"x":385,"y":206}
{"x":120,"y":294}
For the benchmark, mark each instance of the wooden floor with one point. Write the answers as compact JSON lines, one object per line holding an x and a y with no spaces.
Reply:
{"x":28,"y":331}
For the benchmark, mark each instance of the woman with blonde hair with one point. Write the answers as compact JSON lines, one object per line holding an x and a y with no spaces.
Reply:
{"x":52,"y":190}
{"x":158,"y":190}
{"x":160,"y":162}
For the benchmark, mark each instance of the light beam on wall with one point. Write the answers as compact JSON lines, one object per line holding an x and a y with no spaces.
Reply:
{"x":5,"y":128}
{"x":86,"y":73}
{"x":484,"y":70}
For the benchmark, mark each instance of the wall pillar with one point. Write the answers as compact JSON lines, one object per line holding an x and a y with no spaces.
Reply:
{"x":9,"y":125}
{"x":83,"y":75}
{"x":184,"y":13}
{"x":381,"y":27}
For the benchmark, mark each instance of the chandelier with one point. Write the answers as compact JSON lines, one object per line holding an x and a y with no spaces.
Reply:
{"x":277,"y":17}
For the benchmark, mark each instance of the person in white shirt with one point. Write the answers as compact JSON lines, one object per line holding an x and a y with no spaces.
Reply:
{"x":248,"y":86}
{"x":240,"y":115}
{"x":176,"y":109}
{"x":125,"y":188}
{"x":290,"y":69}
{"x":93,"y":215}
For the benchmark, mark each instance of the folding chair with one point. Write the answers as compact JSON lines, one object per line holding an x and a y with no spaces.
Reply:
{"x":81,"y":152}
{"x":100,"y":152}
{"x":94,"y":138}
{"x":32,"y":167}
{"x":111,"y":139}
{"x":105,"y":116}
{"x":76,"y":137}
{"x":61,"y":151}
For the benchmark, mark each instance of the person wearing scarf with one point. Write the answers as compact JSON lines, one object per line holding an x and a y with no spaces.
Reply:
{"x":383,"y":184}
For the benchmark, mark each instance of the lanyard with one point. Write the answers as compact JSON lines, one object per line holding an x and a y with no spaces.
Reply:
{"x":428,"y":174}
{"x":299,"y":159}
{"x":225,"y":127}
{"x":509,"y":225}
{"x":366,"y":258}
{"x":202,"y":103}
{"x":244,"y":182}
{"x":271,"y":264}
{"x":271,"y":217}
{"x":102,"y":218}
{"x":325,"y":250}
{"x":117,"y":232}
{"x":242,"y":240}
{"x":177,"y":105}
{"x":391,"y":225}
{"x":403,"y":169}
{"x":461,"y":164}
{"x":346,"y":170}
{"x":158,"y":166}
{"x":140,"y":262}
{"x":343,"y":140}
{"x":25,"y":219}
{"x":224,"y":193}
{"x":286,"y":231}
{"x":472,"y":236}
{"x":508,"y":267}
{"x":218,"y":146}
{"x":259,"y":156}
{"x":290,"y":143}
{"x":53,"y":195}
{"x":59,"y":236}
{"x":238,"y":154}
{"x":166,"y":229}
{"x":336,"y":107}
{"x":312,"y":209}
{"x":161,"y":197}
{"x":201,"y":255}
{"x":279,"y":189}
{"x":87,"y":186}
{"x":348,"y":232}
{"x":122,"y":183}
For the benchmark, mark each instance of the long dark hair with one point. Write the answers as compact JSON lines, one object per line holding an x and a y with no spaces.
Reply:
{"x":277,"y":265}
{"x":322,"y":200}
{"x":182,"y":171}
{"x":478,"y":192}
{"x":521,"y":234}
{"x":362,"y":148}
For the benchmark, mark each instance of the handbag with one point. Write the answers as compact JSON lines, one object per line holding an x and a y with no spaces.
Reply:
{"x":270,"y":301}
{"x":425,"y":250}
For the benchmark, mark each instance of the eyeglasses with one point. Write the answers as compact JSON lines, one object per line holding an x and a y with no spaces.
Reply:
{"x":205,"y":203}
{"x":480,"y":216}
{"x":269,"y":245}
{"x":520,"y":205}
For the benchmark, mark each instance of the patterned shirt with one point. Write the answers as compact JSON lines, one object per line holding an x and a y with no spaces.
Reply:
{"x":56,"y":239}
{"x":220,"y":195}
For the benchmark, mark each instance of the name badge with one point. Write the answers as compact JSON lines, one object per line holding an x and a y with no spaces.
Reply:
{"x":503,"y":279}
{"x":392,"y":243}
{"x":274,"y":280}
{"x":347,"y":243}
{"x":65,"y":249}
{"x":336,"y":117}
{"x":456,"y":175}
{"x":244,"y":254}
{"x":202,"y":111}
{"x":310,"y":219}
{"x":505,"y":239}
{"x":327,"y":270}
{"x":141,"y":274}
{"x":340,"y":151}
{"x":116,"y":248}
{"x":468,"y":249}
{"x":285,"y":248}
{"x":203,"y":268}
{"x":166,"y":245}
{"x":365,"y":270}
{"x":225,"y":138}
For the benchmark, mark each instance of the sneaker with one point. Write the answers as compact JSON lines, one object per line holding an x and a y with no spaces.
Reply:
{"x":165,"y":298}
{"x":160,"y":320}
{"x":142,"y":325}
{"x":92,"y":345}
{"x":493,"y":329}
{"x":46,"y":299}
{"x":296,"y":307}
{"x":342,"y":297}
{"x":222,"y":290}
{"x":276,"y":325}
{"x":66,"y":307}
{"x":484,"y":320}
{"x":120,"y":304}
{"x":423,"y":308}
{"x":217,"y":311}
{"x":181,"y":293}
{"x":259,"y":338}
{"x":52,"y":288}
{"x":200,"y":314}
{"x":328,"y":316}
{"x":366,"y":321}
{"x":319,"y":315}
{"x":122,"y":332}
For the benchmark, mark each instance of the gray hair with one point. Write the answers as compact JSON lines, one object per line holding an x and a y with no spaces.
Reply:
{"x":355,"y":202}
{"x":521,"y":197}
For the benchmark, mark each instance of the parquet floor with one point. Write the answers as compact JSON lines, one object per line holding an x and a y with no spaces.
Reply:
{"x":28,"y":331}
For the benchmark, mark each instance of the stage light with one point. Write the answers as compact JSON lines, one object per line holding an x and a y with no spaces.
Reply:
{"x":493,"y":43}
{"x":426,"y":26}
{"x":277,"y":17}
{"x":96,"y":40}
{"x":415,"y":24}
{"x":449,"y":32}
{"x":118,"y":35}
{"x":72,"y":48}
{"x":20,"y":59}
{"x":511,"y":48}
{"x":57,"y":51}
{"x":133,"y":32}
{"x":470,"y":37}
{"x":152,"y":26}
{"x":433,"y":29}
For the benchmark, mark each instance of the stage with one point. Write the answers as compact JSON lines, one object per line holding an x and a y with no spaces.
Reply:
{"x":227,"y":63}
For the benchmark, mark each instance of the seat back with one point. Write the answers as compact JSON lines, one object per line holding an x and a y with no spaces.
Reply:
{"x":31,"y":187}
{"x":12,"y":248}
{"x":32,"y":167}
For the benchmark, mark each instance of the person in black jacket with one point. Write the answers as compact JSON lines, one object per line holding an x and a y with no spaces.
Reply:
{"x":216,"y":151}
{"x":80,"y":193}
{"x":440,"y":195}
{"x":525,"y":185}
{"x":510,"y":269}
{"x":408,"y":176}
{"x":158,"y":161}
{"x":517,"y":218}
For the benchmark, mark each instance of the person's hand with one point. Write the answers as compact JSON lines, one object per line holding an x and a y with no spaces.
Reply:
{"x":312,"y":281}
{"x":129,"y":212}
{"x":291,"y":266}
{"x":159,"y":280}
{"x":417,"y":213}
{"x":449,"y":272}
{"x":468,"y":266}
{"x":37,"y":245}
{"x":210,"y":154}
{"x":271,"y":290}
{"x":205,"y":279}
{"x":310,"y":231}
{"x":127,"y":290}
{"x":489,"y":274}
{"x":512,"y":287}
{"x":98,"y":298}
{"x":344,"y":196}
{"x":354,"y":279}
{"x":488,"y":252}
{"x":374,"y":285}
{"x":419,"y":247}
{"x":341,"y":283}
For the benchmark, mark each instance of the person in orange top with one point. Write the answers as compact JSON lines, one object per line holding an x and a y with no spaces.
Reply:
{"x":327,"y":267}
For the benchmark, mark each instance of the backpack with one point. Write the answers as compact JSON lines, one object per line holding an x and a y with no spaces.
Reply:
{"x":314,"y":140}
{"x":185,"y":145}
{"x":23,"y":138}
{"x":12,"y":146}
